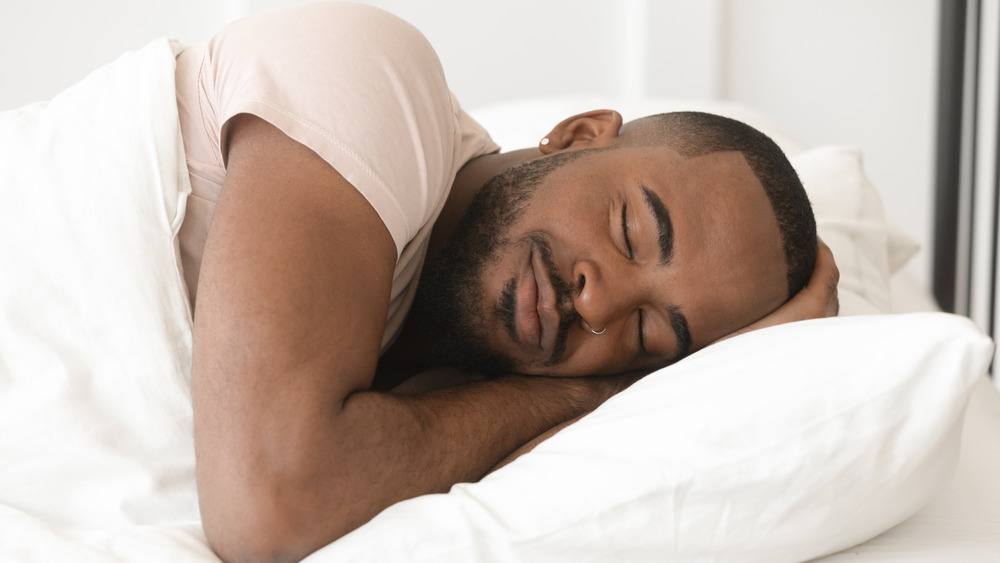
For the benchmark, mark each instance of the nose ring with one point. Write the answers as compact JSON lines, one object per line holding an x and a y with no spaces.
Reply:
{"x":597,"y":333}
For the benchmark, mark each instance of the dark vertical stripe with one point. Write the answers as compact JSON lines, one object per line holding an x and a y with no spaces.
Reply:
{"x":996,"y":192}
{"x":970,"y":150}
{"x":996,"y":195}
{"x":951,"y":64}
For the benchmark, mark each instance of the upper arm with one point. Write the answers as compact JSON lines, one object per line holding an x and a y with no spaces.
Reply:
{"x":293,"y":298}
{"x":360,"y":86}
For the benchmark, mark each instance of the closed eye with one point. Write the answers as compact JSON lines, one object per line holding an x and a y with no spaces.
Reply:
{"x":625,"y":237}
{"x":631,"y":255}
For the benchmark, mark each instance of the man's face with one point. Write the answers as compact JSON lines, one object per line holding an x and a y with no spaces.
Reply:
{"x":664,"y":254}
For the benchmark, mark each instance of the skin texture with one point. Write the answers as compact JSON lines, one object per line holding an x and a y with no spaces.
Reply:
{"x":726,"y":269}
{"x":293,"y":448}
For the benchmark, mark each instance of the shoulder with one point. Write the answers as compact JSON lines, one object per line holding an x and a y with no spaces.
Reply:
{"x":357,"y":85}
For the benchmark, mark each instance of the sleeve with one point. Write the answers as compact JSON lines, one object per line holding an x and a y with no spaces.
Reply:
{"x":361,"y":88}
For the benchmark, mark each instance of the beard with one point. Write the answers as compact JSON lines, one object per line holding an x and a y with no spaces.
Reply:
{"x":450,"y":296}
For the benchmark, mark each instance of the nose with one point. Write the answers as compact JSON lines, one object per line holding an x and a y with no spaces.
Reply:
{"x":602,"y":297}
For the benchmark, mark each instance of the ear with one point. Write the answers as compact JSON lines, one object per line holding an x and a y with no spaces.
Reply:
{"x":593,"y":129}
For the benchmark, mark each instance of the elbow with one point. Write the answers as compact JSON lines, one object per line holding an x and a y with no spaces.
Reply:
{"x":239,"y":541}
{"x":260,"y":532}
{"x":267,"y":503}
{"x":256,"y":510}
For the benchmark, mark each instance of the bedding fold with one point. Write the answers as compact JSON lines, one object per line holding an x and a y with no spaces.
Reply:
{"x":95,"y":327}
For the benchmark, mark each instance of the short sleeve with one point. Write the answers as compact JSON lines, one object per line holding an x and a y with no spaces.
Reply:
{"x":361,"y":88}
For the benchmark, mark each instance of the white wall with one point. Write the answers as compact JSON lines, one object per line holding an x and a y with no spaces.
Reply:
{"x":858,"y":72}
{"x":494,"y":51}
{"x":47,"y":45}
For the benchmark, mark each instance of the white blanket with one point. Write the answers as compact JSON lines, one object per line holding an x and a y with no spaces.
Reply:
{"x":95,"y":329}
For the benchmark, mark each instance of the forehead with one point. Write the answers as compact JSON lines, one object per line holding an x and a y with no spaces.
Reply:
{"x":716,"y":179}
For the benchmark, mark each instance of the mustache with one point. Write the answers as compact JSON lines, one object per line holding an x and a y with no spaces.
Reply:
{"x":564,"y":291}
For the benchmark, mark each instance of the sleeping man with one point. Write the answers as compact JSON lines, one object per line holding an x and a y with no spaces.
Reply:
{"x":329,"y":161}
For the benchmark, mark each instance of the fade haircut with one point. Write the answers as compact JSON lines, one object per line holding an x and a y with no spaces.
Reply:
{"x":694,"y":134}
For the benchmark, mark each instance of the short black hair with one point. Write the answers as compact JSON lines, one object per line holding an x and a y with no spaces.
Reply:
{"x":693,"y":133}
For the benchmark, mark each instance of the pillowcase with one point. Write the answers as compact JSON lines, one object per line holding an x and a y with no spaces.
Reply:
{"x":850,"y":220}
{"x":782,"y":444}
{"x":849,"y":215}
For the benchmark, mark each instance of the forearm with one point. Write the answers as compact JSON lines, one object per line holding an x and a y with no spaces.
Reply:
{"x":311,"y":485}
{"x":455,"y":435}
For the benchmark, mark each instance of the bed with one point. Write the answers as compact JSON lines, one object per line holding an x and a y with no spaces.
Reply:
{"x":872,"y":436}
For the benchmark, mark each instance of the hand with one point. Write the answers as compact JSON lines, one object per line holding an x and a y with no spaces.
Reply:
{"x":817,"y":299}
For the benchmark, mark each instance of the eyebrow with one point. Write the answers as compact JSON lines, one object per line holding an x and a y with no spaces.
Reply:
{"x":664,"y":227}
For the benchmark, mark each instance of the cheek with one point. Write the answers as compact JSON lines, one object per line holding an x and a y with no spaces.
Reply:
{"x":566,"y":214}
{"x":741,"y":278}
{"x":732,"y":303}
{"x":725,"y":292}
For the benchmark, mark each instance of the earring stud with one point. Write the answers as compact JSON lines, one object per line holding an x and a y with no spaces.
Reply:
{"x":544,"y":141}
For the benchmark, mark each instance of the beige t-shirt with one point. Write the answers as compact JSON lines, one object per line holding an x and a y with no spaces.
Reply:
{"x":357,"y":85}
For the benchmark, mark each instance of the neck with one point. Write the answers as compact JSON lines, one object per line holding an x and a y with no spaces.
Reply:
{"x":469,"y":180}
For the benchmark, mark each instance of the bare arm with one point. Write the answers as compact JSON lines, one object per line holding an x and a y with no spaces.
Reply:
{"x":292,"y":449}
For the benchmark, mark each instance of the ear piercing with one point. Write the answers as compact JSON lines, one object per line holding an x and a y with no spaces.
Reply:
{"x":544,"y":141}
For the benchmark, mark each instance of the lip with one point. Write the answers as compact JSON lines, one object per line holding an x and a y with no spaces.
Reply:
{"x":526,"y":317}
{"x":545,"y":306}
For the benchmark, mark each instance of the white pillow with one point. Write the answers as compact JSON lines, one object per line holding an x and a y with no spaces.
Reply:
{"x":849,"y":214}
{"x":850,"y":220}
{"x":779,"y":445}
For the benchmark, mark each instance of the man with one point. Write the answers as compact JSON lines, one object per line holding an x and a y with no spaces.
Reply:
{"x":338,"y":159}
